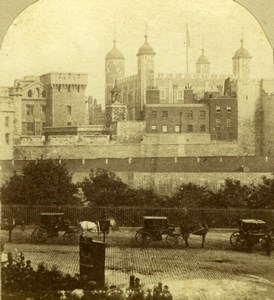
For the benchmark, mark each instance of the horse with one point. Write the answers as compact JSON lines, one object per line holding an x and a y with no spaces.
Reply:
{"x":197,"y":228}
{"x":94,"y":227}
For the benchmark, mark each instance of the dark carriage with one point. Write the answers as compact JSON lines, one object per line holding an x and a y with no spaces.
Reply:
{"x":251,"y":232}
{"x":50,"y":225}
{"x":153,"y":229}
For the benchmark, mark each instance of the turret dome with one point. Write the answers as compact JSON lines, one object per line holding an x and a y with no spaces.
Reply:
{"x":146,"y":49}
{"x":241,"y":52}
{"x":114,"y":53}
{"x":202,"y":59}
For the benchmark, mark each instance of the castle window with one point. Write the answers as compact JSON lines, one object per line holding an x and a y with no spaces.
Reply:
{"x":68,"y":123}
{"x":190,"y":114}
{"x":228,"y":123}
{"x":230,"y":136}
{"x":30,"y":126}
{"x":177,"y":128}
{"x":228,"y":109}
{"x":59,"y":87}
{"x":44,"y":109}
{"x":69,"y":87}
{"x":37,"y":93}
{"x":69,"y":110}
{"x":180,"y":94}
{"x":7,"y":120}
{"x":154,"y":114}
{"x":153,"y":128}
{"x":165,"y":114}
{"x":29,"y":93}
{"x":78,"y":88}
{"x":164,"y":128}
{"x":7,"y":138}
{"x":29,"y":110}
{"x":218,"y":122}
{"x":218,"y":109}
{"x":202,"y":114}
{"x":202,"y":128}
{"x":44,"y":94}
{"x":189,"y":128}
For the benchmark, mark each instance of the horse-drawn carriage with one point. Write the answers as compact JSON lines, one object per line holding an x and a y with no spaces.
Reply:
{"x":251,"y":232}
{"x":50,"y":225}
{"x":155,"y":227}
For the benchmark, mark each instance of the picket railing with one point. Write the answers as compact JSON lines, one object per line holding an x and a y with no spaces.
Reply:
{"x":133,"y":216}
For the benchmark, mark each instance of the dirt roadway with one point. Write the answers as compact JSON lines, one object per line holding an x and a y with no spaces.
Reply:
{"x":216,"y":272}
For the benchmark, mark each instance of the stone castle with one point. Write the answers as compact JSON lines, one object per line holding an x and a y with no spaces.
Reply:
{"x":147,"y":117}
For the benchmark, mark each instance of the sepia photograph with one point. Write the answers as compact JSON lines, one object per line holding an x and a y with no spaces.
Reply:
{"x":137,"y":149}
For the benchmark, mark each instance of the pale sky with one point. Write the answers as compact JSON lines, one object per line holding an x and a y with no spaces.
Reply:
{"x":75,"y":36}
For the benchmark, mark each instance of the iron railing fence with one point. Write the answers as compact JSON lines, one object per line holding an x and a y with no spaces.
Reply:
{"x":133,"y":216}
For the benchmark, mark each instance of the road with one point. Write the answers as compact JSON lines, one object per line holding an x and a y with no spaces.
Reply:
{"x":215,"y":272}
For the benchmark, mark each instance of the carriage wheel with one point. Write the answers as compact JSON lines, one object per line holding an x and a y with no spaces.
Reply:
{"x":39,"y":235}
{"x":70,"y":237}
{"x":143,"y":238}
{"x":236,"y":240}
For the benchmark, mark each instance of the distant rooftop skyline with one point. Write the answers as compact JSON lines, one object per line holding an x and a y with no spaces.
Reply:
{"x":75,"y":36}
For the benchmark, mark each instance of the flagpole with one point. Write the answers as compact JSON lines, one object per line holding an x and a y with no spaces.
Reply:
{"x":187,"y":48}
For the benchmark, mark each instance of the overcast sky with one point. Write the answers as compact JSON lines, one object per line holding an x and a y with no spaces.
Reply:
{"x":75,"y":35}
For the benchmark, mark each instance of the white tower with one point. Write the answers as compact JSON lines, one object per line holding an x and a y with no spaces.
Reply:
{"x":241,"y":63}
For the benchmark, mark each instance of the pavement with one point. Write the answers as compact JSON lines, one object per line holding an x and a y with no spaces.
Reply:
{"x":215,"y":272}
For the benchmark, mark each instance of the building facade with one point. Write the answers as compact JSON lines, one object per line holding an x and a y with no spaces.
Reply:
{"x":171,"y":86}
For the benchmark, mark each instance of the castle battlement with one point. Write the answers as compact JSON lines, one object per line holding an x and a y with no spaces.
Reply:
{"x":64,"y":78}
{"x":128,"y":79}
{"x":191,"y":76}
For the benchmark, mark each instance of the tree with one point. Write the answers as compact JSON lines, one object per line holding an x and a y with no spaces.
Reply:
{"x":191,"y":195}
{"x":41,"y":183}
{"x":233,"y":194}
{"x":104,"y":188}
{"x":263,"y":195}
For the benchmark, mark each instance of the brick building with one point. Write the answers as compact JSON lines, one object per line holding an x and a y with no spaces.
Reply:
{"x":223,"y":118}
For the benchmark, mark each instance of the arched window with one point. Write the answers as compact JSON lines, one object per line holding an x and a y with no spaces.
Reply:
{"x":78,"y":88}
{"x":190,"y":114}
{"x":44,"y":94}
{"x":59,"y":88}
{"x":37,"y":93}
{"x":29,"y":93}
{"x":69,"y":88}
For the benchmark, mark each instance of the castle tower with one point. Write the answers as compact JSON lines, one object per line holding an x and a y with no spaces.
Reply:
{"x":241,"y":63}
{"x":202,"y":66}
{"x":146,"y":72}
{"x":114,"y":69}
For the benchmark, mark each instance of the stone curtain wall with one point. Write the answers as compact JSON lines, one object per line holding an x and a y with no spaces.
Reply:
{"x":130,"y":131}
{"x":166,"y":174}
{"x":106,"y":149}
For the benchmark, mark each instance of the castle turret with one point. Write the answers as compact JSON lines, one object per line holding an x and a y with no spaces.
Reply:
{"x":202,"y":66}
{"x":146,"y":72}
{"x":241,"y":63}
{"x":114,"y":69}
{"x":115,"y":111}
